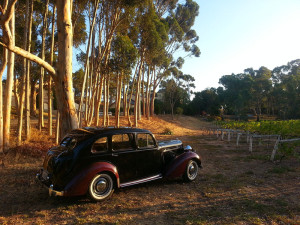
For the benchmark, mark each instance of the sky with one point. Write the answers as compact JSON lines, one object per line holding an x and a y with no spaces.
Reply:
{"x":238,"y":34}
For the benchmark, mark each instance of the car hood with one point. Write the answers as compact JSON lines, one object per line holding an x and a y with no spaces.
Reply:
{"x":170,"y":145}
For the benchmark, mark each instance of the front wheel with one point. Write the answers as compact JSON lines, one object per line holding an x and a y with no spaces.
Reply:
{"x":101,"y":187}
{"x":191,"y":171}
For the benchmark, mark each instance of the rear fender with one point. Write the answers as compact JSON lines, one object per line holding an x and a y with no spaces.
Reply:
{"x":80,"y":183}
{"x":177,"y":167}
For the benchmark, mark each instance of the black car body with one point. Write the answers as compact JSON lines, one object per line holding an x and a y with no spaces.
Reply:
{"x":95,"y":161}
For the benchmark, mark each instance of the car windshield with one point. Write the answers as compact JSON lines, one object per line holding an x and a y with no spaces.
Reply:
{"x":68,"y":142}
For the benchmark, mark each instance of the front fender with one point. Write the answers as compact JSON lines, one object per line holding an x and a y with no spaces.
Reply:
{"x":80,"y":183}
{"x":177,"y":167}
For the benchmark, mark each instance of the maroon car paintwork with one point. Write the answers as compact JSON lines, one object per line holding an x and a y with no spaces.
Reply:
{"x":79,"y":184}
{"x":178,"y":166}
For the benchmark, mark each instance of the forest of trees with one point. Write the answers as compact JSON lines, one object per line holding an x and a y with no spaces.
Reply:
{"x":254,"y":92}
{"x":124,"y":49}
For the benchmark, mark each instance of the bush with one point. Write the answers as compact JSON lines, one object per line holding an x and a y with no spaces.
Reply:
{"x":179,"y":111}
{"x":214,"y":118}
{"x":167,"y":131}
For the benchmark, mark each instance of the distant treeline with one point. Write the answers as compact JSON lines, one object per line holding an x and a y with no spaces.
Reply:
{"x":254,"y":92}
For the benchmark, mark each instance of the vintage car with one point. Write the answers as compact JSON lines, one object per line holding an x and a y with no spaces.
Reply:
{"x":95,"y":161}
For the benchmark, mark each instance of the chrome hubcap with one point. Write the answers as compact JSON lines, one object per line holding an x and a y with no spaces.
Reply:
{"x":101,"y":185}
{"x":192,"y":170}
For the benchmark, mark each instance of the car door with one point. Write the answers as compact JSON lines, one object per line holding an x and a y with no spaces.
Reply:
{"x":124,"y":155}
{"x":149,"y":160}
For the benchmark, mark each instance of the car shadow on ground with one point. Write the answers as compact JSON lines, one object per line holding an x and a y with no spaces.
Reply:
{"x":23,"y":194}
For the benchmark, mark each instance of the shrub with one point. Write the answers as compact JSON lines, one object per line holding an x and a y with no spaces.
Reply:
{"x":167,"y":131}
{"x":179,"y":111}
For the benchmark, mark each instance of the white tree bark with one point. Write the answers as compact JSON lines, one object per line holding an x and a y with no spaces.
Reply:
{"x":64,"y":85}
{"x":9,"y":86}
{"x":41,"y":81}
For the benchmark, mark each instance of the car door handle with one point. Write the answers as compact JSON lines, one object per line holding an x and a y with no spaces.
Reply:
{"x":114,"y":154}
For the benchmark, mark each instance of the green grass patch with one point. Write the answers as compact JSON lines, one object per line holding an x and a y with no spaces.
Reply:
{"x":280,"y":170}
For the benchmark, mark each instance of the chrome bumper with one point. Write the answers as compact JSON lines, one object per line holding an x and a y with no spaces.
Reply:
{"x":51,"y":191}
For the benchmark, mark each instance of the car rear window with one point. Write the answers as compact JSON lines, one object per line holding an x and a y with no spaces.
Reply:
{"x":100,"y":145}
{"x":69,"y":142}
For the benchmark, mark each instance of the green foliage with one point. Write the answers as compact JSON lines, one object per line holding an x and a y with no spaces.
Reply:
{"x":205,"y":102}
{"x":125,"y":54}
{"x":290,"y":149}
{"x":179,"y":111}
{"x":286,"y":128}
{"x":280,"y":170}
{"x":256,"y":92}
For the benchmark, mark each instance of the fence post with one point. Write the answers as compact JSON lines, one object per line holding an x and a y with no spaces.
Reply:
{"x":247,"y":133}
{"x":228,"y":136}
{"x":275,"y":149}
{"x":238,"y":138}
{"x":250,"y":145}
{"x":222,"y":135}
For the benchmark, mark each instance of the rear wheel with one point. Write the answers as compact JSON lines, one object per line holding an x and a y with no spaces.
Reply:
{"x":191,"y":171}
{"x":101,"y":187}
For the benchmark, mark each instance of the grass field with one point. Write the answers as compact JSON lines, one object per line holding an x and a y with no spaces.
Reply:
{"x":234,"y":187}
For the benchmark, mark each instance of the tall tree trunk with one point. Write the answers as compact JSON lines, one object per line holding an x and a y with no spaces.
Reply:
{"x":108,"y":98}
{"x":87,"y":60}
{"x":104,"y":124}
{"x":137,"y":96}
{"x":118,"y":103}
{"x":41,"y":83}
{"x":131,"y":93}
{"x":27,"y":98}
{"x":22,"y":95}
{"x":125,"y":94}
{"x":3,"y":66}
{"x":143,"y":94}
{"x":33,"y":97}
{"x":57,"y":135}
{"x":153,"y":98}
{"x":98,"y":103}
{"x":50,"y":114}
{"x":8,"y":87}
{"x":148,"y":94}
{"x":64,"y":86}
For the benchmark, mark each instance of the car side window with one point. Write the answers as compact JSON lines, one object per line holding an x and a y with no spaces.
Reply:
{"x":145,"y":141}
{"x":122,"y":142}
{"x":100,"y":145}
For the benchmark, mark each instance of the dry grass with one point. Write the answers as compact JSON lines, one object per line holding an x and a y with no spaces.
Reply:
{"x":234,"y":187}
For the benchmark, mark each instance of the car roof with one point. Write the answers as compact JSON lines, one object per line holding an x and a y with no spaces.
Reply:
{"x":101,"y":130}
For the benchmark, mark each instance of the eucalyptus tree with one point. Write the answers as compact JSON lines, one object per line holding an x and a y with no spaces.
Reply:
{"x":41,"y":80}
{"x":206,"y":101}
{"x":179,"y":21}
{"x":2,"y":68}
{"x":261,"y":87}
{"x":9,"y":25}
{"x":63,"y":74}
{"x":237,"y":92}
{"x":124,"y":56}
{"x":150,"y":36}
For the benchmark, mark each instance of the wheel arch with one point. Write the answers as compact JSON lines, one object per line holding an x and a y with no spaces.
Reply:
{"x":80,"y":183}
{"x":177,"y":167}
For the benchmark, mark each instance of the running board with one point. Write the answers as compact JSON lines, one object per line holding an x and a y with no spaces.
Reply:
{"x":156,"y":177}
